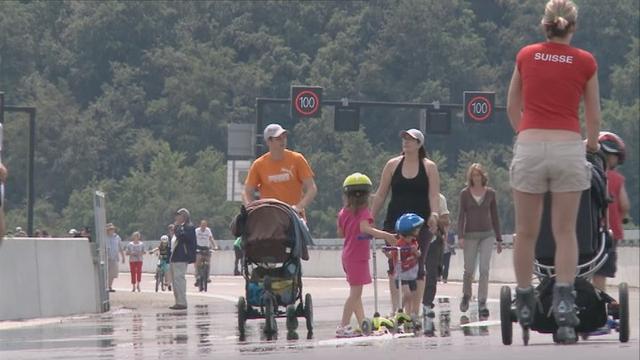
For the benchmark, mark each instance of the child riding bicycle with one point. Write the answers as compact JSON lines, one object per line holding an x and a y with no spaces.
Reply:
{"x":164,"y":253}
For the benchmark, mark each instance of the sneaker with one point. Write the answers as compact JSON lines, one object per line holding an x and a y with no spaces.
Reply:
{"x":525,"y":306}
{"x":111,"y":290}
{"x":170,"y":288}
{"x":347,"y":331}
{"x":178,"y":307}
{"x":563,"y":305}
{"x":464,"y":303}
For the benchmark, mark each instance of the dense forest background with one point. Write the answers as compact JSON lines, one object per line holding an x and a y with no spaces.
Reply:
{"x":134,"y":98}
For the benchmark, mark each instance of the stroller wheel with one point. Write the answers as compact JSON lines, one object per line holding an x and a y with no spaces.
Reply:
{"x":270,"y":325}
{"x":565,"y":335}
{"x":366,"y":326}
{"x":308,"y":314}
{"x":292,"y":321}
{"x":242,"y":316}
{"x":506,"y":324}
{"x":623,"y":325}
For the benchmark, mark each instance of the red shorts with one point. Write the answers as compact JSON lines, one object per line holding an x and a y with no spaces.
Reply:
{"x":358,"y":272}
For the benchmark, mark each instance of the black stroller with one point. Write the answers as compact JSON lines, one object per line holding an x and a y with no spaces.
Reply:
{"x":594,"y":240}
{"x":274,"y":241}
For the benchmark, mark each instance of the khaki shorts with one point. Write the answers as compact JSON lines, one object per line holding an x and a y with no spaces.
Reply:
{"x":112,"y":269}
{"x":539,"y":167}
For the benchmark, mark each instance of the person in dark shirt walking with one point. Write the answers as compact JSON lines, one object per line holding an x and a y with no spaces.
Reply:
{"x":183,"y":253}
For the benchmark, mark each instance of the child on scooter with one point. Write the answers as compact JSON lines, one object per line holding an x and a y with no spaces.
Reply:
{"x":355,"y":225}
{"x":407,"y":226}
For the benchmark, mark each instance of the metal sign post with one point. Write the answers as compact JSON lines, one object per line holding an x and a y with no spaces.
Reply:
{"x":100,"y":250}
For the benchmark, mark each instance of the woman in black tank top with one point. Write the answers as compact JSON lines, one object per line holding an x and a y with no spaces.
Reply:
{"x":415,"y":185}
{"x":408,"y":195}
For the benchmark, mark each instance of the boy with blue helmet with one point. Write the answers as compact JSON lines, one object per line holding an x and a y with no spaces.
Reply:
{"x":407,"y":227}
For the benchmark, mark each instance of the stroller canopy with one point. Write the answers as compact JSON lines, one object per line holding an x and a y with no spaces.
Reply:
{"x":271,"y":232}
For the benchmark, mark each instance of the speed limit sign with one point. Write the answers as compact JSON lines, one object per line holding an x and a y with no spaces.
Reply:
{"x":306,"y":101}
{"x":478,"y":106}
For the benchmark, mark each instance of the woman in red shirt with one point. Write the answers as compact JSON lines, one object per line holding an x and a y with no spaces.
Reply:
{"x":547,"y":84}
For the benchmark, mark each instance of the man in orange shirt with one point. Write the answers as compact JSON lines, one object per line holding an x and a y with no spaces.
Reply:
{"x":281,"y":174}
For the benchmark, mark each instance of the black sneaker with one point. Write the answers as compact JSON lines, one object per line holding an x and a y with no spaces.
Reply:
{"x":112,"y":290}
{"x":525,"y":306}
{"x":464,"y":303}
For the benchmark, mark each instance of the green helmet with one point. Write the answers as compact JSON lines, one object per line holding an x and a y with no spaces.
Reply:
{"x":357,"y":182}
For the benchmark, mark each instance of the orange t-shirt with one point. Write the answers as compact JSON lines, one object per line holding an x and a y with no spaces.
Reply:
{"x":280,"y":179}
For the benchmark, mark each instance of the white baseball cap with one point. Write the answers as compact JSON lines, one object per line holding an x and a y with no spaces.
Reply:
{"x":414,"y":133}
{"x":273,"y":130}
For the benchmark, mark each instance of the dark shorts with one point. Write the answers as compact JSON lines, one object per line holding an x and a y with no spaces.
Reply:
{"x":610,"y":267}
{"x":413,"y":284}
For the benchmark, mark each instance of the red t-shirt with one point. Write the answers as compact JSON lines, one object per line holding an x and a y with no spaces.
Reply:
{"x":615,"y":180}
{"x":554,"y":77}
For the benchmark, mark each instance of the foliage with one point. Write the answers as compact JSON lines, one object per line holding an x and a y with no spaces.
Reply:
{"x":134,"y":98}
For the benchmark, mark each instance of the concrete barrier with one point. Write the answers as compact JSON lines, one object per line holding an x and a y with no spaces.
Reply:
{"x":47,"y":278}
{"x":326,"y":262}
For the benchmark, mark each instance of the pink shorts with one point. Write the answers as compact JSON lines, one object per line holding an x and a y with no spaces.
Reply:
{"x":358,"y":272}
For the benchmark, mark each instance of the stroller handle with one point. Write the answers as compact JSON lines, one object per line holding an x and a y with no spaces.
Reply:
{"x":396,"y":248}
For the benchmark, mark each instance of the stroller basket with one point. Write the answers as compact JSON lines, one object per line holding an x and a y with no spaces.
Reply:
{"x":284,"y":283}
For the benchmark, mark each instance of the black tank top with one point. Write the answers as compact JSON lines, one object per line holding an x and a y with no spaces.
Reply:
{"x":408,"y":195}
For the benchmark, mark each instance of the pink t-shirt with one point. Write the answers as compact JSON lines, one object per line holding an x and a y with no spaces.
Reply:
{"x":356,"y":244}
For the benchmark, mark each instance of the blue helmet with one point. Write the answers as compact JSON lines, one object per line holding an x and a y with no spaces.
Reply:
{"x":408,"y":223}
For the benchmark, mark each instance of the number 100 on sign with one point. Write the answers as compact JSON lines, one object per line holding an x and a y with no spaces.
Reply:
{"x":478,"y":106}
{"x":306,"y":101}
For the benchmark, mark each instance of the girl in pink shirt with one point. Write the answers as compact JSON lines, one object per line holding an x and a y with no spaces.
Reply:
{"x":355,"y":225}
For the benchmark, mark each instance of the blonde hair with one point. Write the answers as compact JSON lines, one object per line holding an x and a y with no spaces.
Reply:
{"x":477,"y":167}
{"x":136,"y":234}
{"x":559,"y":18}
{"x":356,"y":200}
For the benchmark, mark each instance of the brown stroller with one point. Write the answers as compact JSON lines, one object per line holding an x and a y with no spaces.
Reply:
{"x":274,"y":241}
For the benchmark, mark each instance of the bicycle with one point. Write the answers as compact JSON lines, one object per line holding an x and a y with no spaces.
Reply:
{"x":160,"y":276}
{"x":202,"y":272}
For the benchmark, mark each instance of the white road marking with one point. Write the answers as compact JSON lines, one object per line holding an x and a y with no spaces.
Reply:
{"x":481,"y":323}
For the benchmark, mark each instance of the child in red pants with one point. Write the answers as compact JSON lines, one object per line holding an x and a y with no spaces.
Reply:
{"x":135,"y":250}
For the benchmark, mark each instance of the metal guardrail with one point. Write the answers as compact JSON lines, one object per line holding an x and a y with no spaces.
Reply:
{"x":336,"y":244}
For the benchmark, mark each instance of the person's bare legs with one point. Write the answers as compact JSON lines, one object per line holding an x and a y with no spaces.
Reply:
{"x":395,"y":294}
{"x":417,"y":296}
{"x":528,"y":208}
{"x":408,"y":298}
{"x":353,"y":305}
{"x":564,"y":214}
